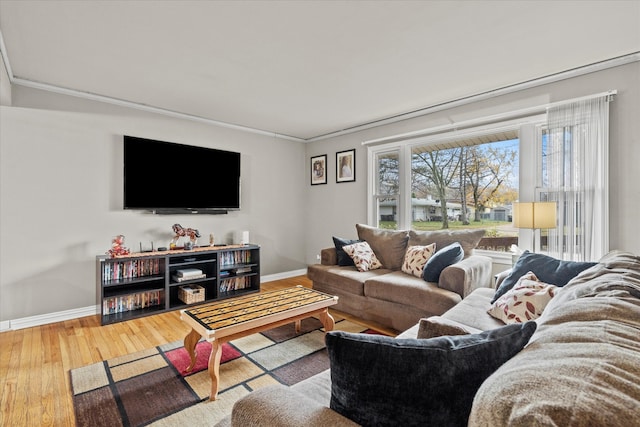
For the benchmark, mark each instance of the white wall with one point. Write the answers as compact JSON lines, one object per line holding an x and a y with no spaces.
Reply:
{"x":61,"y":180}
{"x":5,"y":85}
{"x":61,"y":196}
{"x":334,"y":209}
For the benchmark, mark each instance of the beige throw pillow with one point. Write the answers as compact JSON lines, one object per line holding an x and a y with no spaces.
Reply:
{"x":416,"y":257}
{"x":436,"y":326}
{"x":525,"y":301}
{"x":363,"y":257}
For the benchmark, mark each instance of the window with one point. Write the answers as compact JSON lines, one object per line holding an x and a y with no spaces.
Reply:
{"x":466,"y":186}
{"x":387,"y":192}
{"x":462,"y":180}
{"x":449,"y":178}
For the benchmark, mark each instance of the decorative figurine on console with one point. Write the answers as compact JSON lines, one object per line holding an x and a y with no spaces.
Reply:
{"x":180,"y":231}
{"x":117,"y":248}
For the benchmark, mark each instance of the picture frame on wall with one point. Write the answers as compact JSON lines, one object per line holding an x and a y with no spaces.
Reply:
{"x":346,"y":166}
{"x":319,"y":170}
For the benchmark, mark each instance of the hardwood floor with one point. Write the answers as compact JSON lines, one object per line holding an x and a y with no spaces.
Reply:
{"x":35,"y":362}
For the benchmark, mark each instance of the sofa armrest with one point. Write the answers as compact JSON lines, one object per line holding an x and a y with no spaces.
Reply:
{"x":328,"y":256}
{"x":280,"y":406}
{"x":500,"y":277}
{"x":463,"y":277}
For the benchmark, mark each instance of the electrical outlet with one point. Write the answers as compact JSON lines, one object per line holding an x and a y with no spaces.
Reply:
{"x":318,"y":257}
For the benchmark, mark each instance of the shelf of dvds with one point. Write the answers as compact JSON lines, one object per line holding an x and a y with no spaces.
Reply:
{"x":136,"y":285}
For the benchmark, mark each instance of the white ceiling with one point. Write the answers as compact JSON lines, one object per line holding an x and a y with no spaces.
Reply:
{"x":305,"y":68}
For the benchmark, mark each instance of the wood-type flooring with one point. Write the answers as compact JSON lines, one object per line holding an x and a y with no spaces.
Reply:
{"x":35,"y":362}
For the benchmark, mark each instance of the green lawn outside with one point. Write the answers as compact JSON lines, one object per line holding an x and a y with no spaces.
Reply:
{"x":491,"y":226}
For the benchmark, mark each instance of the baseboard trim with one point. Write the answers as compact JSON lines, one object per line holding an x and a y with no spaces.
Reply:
{"x":284,"y":275}
{"x":61,"y":316}
{"x":43,"y":319}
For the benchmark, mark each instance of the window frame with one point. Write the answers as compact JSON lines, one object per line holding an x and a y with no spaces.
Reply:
{"x":528,"y":129}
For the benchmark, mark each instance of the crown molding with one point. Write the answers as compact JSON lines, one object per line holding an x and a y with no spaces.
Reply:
{"x":144,"y":107}
{"x":578,"y":71}
{"x":563,"y":75}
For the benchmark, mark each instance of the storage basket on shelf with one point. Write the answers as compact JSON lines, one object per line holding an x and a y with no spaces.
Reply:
{"x":190,"y":294}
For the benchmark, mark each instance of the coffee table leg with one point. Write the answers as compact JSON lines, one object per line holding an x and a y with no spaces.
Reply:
{"x":327,"y":320}
{"x":298,"y":323}
{"x":214,"y":367}
{"x":190,"y":342}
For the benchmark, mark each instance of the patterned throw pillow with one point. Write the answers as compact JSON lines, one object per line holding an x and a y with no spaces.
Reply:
{"x":416,"y":257}
{"x":525,"y":301}
{"x":363,"y":256}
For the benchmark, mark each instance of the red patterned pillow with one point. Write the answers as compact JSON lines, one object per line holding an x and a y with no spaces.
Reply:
{"x":363,"y":256}
{"x":416,"y":257}
{"x":525,"y":301}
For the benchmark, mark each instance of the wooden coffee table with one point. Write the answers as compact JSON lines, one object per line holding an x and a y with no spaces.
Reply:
{"x":235,"y":318}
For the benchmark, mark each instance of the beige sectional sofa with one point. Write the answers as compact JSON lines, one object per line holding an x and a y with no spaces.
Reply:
{"x":392,"y":297}
{"x":581,"y":367}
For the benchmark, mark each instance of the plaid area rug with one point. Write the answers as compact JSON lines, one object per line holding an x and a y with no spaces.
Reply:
{"x":152,"y":388}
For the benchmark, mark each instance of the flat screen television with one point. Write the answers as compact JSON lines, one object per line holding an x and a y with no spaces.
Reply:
{"x":166,"y":177}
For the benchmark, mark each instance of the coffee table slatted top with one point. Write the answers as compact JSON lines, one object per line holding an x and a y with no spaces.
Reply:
{"x":236,"y":311}
{"x":223,"y":321}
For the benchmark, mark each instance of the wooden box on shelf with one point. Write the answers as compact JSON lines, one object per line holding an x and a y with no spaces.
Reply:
{"x":190,"y":294}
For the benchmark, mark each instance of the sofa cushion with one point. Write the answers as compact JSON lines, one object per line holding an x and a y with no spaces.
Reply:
{"x":546,"y":268}
{"x":525,"y":301}
{"x":363,"y":256}
{"x":338,"y":280}
{"x":343,"y":259}
{"x":472,"y":311}
{"x":410,"y":291}
{"x":317,"y":387}
{"x":416,"y":257}
{"x":468,"y":239}
{"x":435,"y":383}
{"x":442,"y":259}
{"x":389,"y":245}
{"x":273,"y":405}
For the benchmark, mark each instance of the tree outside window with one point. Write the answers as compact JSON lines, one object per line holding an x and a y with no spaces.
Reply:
{"x":459,"y":184}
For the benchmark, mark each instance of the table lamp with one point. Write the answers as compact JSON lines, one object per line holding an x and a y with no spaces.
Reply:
{"x":534,"y":215}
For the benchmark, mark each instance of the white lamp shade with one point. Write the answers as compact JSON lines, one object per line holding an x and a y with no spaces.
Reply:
{"x":544,"y":215}
{"x":523,"y":215}
{"x":534,"y":215}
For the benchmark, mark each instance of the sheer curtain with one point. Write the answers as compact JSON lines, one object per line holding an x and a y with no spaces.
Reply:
{"x":575,"y":175}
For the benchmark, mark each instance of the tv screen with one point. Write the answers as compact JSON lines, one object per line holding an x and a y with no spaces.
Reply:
{"x":164,"y":176}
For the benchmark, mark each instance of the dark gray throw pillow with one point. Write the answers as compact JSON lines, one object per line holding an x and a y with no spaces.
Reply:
{"x":547,"y":269}
{"x":343,"y":258}
{"x":383,"y":381}
{"x":442,"y":259}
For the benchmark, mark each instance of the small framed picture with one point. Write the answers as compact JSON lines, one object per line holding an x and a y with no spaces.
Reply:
{"x":346,"y":166}
{"x":319,"y":170}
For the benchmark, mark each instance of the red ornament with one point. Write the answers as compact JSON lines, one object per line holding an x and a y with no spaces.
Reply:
{"x":116,"y":247}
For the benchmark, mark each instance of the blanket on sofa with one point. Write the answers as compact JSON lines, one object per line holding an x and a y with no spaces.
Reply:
{"x":582,"y":366}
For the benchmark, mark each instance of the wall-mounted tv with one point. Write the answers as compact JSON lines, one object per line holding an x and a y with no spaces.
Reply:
{"x":166,"y":177}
